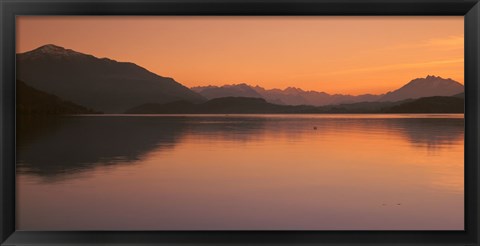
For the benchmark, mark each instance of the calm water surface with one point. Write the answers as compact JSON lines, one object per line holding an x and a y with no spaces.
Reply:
{"x":241,"y":172}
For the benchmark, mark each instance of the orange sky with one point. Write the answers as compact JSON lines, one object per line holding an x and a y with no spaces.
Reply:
{"x":351,"y":55}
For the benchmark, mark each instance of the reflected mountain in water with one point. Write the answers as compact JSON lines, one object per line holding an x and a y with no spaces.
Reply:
{"x":430,"y":133}
{"x":60,"y":147}
{"x":67,"y":145}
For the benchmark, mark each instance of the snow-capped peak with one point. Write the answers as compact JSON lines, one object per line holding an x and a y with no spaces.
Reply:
{"x":54,"y":50}
{"x":50,"y":50}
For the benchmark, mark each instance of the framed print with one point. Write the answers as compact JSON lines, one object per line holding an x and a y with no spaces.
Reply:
{"x":242,"y":122}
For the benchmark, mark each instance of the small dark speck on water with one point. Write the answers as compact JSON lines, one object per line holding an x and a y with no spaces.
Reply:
{"x":314,"y":128}
{"x":399,"y":204}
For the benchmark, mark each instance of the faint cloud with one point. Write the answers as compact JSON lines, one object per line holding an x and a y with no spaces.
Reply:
{"x":453,"y":42}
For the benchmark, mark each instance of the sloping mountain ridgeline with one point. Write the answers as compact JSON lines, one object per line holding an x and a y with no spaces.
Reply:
{"x":424,"y":87}
{"x":98,"y":83}
{"x":35,"y":102}
{"x":249,"y":105}
{"x":437,"y":104}
{"x":417,"y":88}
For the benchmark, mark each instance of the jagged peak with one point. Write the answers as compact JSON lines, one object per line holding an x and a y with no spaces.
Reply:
{"x":242,"y":85}
{"x":293,"y":89}
{"x":437,"y":77}
{"x":431,"y":79}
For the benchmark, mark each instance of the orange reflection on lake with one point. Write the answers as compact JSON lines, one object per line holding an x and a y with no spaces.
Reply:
{"x":242,"y":172}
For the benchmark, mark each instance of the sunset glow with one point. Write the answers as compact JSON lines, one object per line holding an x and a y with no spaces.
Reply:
{"x":349,"y":55}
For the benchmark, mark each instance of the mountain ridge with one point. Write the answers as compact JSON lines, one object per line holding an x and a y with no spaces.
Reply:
{"x":250,"y":105}
{"x":416,"y":88}
{"x":31,"y":101}
{"x":287,"y":96}
{"x":99,"y":83}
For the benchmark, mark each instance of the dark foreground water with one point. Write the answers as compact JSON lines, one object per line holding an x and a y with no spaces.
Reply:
{"x":241,"y":172}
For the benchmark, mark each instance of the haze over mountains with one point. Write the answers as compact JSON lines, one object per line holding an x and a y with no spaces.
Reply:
{"x":288,"y":96}
{"x":417,"y":88}
{"x":105,"y":85}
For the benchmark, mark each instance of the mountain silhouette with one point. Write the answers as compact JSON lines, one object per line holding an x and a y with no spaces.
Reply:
{"x":437,"y":104}
{"x":250,"y":105}
{"x":424,"y":87}
{"x":98,"y":83}
{"x":34,"y":102}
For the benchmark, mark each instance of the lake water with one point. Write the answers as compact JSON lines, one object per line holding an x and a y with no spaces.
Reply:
{"x":241,"y":172}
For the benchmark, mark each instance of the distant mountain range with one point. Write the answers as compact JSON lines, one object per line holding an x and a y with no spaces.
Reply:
{"x":104,"y":85}
{"x":99,"y":83}
{"x":417,"y":88}
{"x":288,"y":96}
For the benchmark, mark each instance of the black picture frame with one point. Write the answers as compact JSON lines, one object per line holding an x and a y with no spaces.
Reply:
{"x":470,"y":9}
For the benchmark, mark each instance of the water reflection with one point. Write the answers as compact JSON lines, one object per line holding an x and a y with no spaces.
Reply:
{"x":241,"y":172}
{"x":60,"y":147}
{"x":430,"y":133}
{"x":67,"y":145}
